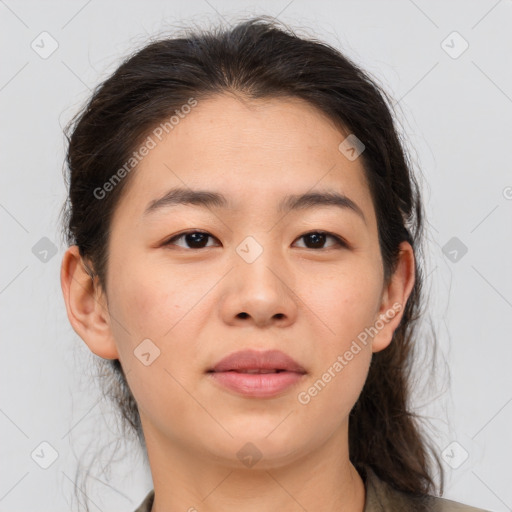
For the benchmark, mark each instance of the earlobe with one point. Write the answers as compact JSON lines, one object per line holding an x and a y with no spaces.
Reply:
{"x":86,"y":305}
{"x":394,"y":298}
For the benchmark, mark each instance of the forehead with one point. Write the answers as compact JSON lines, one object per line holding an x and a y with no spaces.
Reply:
{"x":248,"y":149}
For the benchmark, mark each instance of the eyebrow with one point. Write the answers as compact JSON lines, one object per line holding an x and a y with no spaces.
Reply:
{"x":209,"y":199}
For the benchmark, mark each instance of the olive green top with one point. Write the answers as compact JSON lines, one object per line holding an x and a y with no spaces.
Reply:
{"x":380,"y":497}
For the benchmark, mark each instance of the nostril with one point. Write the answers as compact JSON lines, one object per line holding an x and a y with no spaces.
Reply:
{"x":242,"y":315}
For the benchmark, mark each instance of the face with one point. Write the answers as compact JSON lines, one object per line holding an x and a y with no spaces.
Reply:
{"x":197,"y":281}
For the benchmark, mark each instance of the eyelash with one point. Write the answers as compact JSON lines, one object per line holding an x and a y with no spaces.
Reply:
{"x":340,"y":242}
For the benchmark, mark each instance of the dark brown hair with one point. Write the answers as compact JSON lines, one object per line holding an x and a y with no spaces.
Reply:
{"x":254,"y":59}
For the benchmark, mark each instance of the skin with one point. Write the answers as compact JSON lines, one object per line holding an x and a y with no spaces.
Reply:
{"x":309,"y":302}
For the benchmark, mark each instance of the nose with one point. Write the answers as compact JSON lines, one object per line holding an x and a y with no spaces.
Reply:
{"x":260,"y":293}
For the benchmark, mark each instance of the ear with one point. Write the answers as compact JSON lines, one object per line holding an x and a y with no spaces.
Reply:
{"x":394,"y":298}
{"x":86,"y":305}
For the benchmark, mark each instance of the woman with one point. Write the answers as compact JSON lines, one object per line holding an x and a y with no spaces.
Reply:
{"x":244,"y":227}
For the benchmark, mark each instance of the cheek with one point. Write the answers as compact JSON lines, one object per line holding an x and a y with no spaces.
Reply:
{"x":332,"y":392}
{"x":145,"y":306}
{"x":170,"y":310}
{"x":345,"y":304}
{"x":151,"y":302}
{"x":151,"y":306}
{"x":345,"y":301}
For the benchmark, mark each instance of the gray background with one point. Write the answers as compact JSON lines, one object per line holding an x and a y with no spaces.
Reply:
{"x":455,"y":108}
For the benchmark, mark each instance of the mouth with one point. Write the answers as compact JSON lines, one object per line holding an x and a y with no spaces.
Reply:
{"x":251,"y":371}
{"x":256,"y":383}
{"x":257,"y":374}
{"x":252,"y":361}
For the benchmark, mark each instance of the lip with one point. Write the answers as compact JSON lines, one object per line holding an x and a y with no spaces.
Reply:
{"x":228,"y":373}
{"x":256,"y":360}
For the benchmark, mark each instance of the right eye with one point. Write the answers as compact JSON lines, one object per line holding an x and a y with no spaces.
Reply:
{"x":194,"y":239}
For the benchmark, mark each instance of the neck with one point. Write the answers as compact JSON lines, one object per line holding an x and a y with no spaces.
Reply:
{"x":323,"y":479}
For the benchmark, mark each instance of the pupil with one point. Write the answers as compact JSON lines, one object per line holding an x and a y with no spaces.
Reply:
{"x":318,"y":239}
{"x":196,"y":239}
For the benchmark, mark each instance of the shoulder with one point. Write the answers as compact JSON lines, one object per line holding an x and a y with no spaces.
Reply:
{"x":381,"y":497}
{"x":146,"y":505}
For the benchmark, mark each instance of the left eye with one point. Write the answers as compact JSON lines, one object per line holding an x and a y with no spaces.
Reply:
{"x":317,"y":239}
{"x":199,"y":240}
